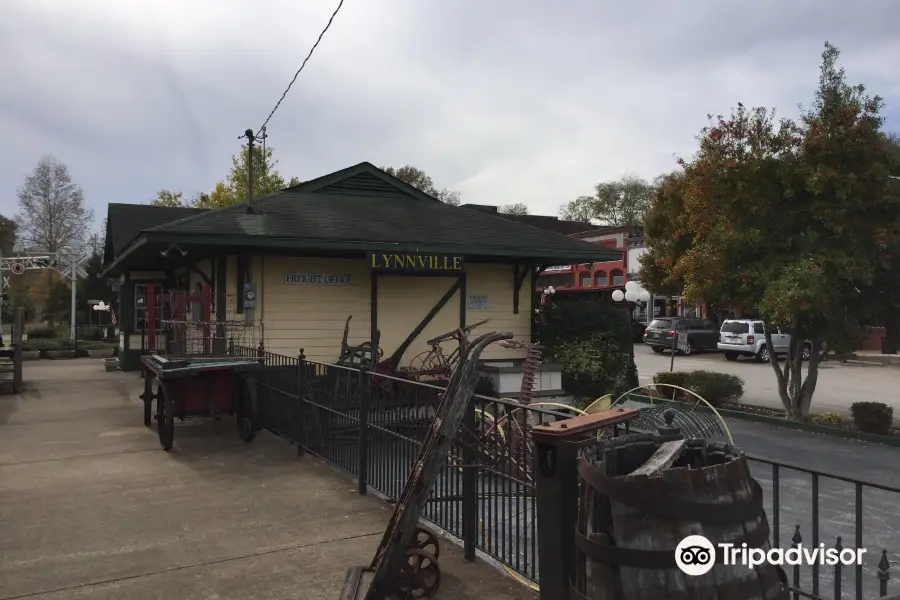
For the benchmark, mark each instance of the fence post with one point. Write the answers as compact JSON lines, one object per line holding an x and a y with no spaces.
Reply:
{"x":469,"y":486}
{"x":301,"y":388}
{"x":555,"y":472}
{"x":363,"y":389}
{"x":260,"y":351}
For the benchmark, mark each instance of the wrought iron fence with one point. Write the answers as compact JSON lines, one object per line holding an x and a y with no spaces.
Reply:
{"x":87,"y":337}
{"x":371,"y":426}
{"x":825,"y":510}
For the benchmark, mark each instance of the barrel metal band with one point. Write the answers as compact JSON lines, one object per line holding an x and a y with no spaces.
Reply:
{"x":656,"y":559}
{"x":662,"y":505}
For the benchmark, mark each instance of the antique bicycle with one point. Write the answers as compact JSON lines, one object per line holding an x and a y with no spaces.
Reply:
{"x":434,"y":364}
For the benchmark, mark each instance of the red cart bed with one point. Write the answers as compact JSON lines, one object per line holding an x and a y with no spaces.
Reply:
{"x":208,"y":386}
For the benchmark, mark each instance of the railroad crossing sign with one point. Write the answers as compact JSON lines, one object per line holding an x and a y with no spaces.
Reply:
{"x":65,"y":268}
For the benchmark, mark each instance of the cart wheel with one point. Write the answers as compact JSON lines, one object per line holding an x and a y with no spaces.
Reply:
{"x":246,"y":410}
{"x":165,"y":418}
{"x":420,"y":575}
{"x":425,"y":539}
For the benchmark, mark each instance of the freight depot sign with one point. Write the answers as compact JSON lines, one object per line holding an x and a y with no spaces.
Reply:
{"x":316,"y":279}
{"x":413,"y":262}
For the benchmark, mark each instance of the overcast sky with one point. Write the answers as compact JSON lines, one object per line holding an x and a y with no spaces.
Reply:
{"x":506,"y":101}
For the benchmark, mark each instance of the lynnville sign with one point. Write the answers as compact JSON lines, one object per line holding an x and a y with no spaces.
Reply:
{"x":413,"y":262}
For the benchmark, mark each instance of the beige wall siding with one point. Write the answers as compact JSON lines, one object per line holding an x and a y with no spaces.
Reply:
{"x":312,"y":316}
{"x":402,"y":304}
{"x":496,"y":282}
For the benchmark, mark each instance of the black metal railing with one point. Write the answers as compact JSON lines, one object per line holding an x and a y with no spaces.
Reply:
{"x":371,"y":425}
{"x":87,"y":337}
{"x":826,"y":510}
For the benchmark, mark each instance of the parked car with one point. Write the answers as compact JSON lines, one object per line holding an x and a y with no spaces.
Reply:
{"x":747,"y":337}
{"x":702,"y":334}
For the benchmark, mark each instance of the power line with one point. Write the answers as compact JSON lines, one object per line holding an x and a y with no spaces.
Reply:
{"x":305,"y":60}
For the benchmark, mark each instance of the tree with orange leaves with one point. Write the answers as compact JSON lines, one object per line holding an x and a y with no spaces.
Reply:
{"x":789,"y":219}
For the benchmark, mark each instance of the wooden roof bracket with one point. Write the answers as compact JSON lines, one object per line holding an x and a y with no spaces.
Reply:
{"x":192,"y":265}
{"x":518,"y":279}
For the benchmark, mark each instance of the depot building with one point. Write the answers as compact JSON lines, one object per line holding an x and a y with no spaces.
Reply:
{"x":356,"y":243}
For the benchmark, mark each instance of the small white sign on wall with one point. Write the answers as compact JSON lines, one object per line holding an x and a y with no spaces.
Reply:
{"x":316,"y":279}
{"x":477,"y":302}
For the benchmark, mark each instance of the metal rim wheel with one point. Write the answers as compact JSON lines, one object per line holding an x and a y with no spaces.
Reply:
{"x":425,"y":539}
{"x":165,"y":418}
{"x":805,"y":352}
{"x":246,"y":410}
{"x":421,"y":575}
{"x":763,"y":355}
{"x":688,"y":349}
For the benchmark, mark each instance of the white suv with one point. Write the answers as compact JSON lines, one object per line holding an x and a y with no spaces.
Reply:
{"x":747,"y":337}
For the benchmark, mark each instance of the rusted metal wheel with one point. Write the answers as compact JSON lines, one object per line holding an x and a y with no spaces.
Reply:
{"x":165,"y":417}
{"x":420,"y":576}
{"x":245,"y":407}
{"x":425,"y":539}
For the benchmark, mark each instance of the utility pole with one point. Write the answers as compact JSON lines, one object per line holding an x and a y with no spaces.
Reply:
{"x":250,"y":139}
{"x":74,"y":276}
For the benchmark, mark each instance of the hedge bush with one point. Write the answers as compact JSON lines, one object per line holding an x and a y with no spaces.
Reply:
{"x":715,"y":388}
{"x":42,"y":333}
{"x":829,"y":419}
{"x":872,"y":417}
{"x":592,"y":341}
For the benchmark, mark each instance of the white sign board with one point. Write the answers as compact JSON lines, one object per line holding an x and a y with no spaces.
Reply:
{"x":682,"y":340}
{"x":316,"y":279}
{"x":477,"y":302}
{"x":558,"y":268}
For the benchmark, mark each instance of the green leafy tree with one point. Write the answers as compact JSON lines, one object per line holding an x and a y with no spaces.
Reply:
{"x":421,"y":181}
{"x":791,"y":219}
{"x":514,"y":209}
{"x":616,"y":203}
{"x":666,"y":236}
{"x":266,"y":179}
{"x":168,"y":198}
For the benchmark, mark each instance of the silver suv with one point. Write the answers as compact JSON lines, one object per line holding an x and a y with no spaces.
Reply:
{"x":747,"y":337}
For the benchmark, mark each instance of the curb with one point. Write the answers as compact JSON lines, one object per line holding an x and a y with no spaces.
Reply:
{"x":839,"y":432}
{"x":885,"y":440}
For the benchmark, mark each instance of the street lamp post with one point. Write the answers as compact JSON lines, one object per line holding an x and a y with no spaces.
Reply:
{"x":632,"y":296}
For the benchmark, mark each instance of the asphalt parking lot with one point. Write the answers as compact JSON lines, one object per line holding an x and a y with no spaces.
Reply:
{"x":839,"y":385}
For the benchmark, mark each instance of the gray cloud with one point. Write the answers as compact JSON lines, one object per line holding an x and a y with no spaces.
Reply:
{"x":505,"y":101}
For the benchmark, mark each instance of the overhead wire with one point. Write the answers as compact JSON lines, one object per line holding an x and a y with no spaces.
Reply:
{"x":305,"y":60}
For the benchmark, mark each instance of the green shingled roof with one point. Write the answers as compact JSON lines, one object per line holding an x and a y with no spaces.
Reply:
{"x":364,"y":209}
{"x":125,"y":222}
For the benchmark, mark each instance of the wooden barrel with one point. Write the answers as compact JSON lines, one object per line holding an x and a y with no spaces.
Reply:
{"x":643,"y":494}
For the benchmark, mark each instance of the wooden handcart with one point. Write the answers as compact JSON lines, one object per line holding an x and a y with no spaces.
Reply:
{"x":196,"y":376}
{"x":198,"y":386}
{"x":405,"y":565}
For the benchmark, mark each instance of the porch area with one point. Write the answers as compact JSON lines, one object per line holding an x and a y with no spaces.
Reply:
{"x":92,"y":508}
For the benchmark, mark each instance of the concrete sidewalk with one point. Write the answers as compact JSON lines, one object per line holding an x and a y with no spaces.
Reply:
{"x":90,"y":507}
